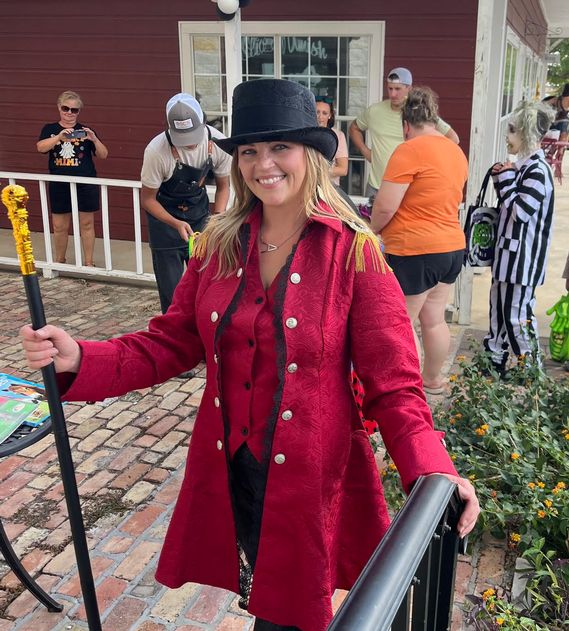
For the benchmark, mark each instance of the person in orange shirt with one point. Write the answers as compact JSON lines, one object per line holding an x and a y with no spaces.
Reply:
{"x":416,"y":213}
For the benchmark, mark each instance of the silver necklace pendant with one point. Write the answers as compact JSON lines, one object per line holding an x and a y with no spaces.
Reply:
{"x":271,"y":247}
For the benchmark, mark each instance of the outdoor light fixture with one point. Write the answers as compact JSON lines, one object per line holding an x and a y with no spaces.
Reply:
{"x":226,"y":9}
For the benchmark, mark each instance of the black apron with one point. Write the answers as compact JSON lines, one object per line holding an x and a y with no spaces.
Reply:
{"x":184,"y":196}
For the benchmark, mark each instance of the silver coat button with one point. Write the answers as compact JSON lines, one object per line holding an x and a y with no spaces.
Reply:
{"x":295,"y":278}
{"x":292,"y":367}
{"x":240,"y":272}
{"x":219,"y":445}
{"x":216,"y":402}
{"x":215,"y":358}
{"x":286,"y":415}
{"x":214,"y":316}
{"x":280,"y":458}
{"x":291,"y":323}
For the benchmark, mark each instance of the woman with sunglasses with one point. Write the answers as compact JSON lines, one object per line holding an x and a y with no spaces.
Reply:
{"x":71,"y":147}
{"x":327,"y":118}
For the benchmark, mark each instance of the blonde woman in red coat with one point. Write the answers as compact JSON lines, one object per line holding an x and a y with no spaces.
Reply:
{"x":282,"y":501}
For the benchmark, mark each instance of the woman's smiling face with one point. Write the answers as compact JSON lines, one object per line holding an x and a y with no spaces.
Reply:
{"x":274,"y":171}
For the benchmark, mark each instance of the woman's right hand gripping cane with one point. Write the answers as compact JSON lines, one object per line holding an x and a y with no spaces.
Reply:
{"x":50,"y":344}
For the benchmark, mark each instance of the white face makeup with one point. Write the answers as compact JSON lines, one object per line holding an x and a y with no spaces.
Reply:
{"x":513,"y":140}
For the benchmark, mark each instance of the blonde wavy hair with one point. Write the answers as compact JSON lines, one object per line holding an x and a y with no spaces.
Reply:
{"x":221,"y":234}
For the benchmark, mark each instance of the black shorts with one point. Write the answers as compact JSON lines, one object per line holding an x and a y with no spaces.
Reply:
{"x":60,"y":198}
{"x":422,"y":272}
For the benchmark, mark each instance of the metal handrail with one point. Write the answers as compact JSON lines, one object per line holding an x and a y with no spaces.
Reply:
{"x":408,"y":583}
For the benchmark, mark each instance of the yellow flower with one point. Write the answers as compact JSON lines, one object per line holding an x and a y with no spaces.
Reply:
{"x":560,"y":485}
{"x":541,"y":485}
{"x":481,"y":431}
{"x":392,"y":467}
{"x":452,"y":421}
{"x":488,"y":594}
{"x":460,"y":358}
{"x":485,"y":427}
{"x":531,"y":485}
{"x":515,"y":537}
{"x":548,"y":503}
{"x":458,"y":415}
{"x":541,"y":514}
{"x":453,"y":457}
{"x":452,"y":378}
{"x":515,"y":456}
{"x":500,"y":621}
{"x":555,"y":491}
{"x":472,"y":477}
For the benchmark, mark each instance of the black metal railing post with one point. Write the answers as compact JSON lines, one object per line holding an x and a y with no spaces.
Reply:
{"x":408,"y":583}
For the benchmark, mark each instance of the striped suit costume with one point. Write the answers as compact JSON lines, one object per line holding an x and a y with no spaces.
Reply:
{"x":525,"y":194}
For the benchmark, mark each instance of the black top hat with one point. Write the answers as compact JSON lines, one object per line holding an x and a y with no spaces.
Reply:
{"x":275,"y":109}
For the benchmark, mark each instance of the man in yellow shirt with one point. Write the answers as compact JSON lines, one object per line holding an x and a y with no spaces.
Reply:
{"x":383,"y":120}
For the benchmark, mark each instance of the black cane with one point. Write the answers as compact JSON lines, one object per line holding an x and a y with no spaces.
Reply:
{"x":14,"y":198}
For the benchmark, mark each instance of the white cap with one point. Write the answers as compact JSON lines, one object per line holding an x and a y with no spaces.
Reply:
{"x":185,"y":120}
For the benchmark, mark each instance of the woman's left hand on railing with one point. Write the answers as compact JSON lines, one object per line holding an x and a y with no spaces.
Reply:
{"x":471,"y":510}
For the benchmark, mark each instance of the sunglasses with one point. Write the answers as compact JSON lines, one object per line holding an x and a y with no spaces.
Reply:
{"x":325,"y":99}
{"x":73,"y":110}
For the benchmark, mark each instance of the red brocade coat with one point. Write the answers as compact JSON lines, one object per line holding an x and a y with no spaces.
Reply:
{"x":324,"y":511}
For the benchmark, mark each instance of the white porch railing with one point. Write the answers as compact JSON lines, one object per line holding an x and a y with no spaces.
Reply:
{"x":48,"y":266}
{"x":109,"y":270}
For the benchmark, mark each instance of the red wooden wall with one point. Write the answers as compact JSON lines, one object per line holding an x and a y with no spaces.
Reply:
{"x":123,"y":58}
{"x":527,"y":20}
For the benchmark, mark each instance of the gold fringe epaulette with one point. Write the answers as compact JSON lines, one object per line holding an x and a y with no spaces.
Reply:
{"x":199,"y":249}
{"x":357,"y":251}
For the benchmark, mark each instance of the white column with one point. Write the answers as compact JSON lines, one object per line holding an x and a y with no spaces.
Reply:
{"x":232,"y":60}
{"x":486,"y":109}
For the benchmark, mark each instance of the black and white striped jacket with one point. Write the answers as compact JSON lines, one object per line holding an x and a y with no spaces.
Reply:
{"x":524,"y":223}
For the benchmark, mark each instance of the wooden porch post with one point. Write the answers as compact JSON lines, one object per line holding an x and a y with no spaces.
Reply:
{"x":232,"y":60}
{"x":486,"y":109}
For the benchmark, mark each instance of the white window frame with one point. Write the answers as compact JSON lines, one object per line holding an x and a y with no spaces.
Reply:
{"x":375,"y":30}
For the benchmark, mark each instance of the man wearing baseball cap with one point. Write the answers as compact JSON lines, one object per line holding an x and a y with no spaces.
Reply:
{"x":383,"y":121}
{"x":176,"y":164}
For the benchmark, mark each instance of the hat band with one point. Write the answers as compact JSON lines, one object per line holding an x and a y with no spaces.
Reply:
{"x":254,"y":119}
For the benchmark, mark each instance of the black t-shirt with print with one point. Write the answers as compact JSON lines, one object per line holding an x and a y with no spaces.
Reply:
{"x":73,"y":157}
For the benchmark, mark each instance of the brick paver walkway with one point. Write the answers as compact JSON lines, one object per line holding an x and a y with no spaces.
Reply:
{"x":129,"y":455}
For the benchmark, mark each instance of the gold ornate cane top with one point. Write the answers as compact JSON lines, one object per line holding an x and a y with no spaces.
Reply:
{"x":14,"y":197}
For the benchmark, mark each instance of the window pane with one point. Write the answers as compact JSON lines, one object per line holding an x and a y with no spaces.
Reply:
{"x":294,"y":56}
{"x":353,"y":97}
{"x":354,"y":56}
{"x":208,"y":92}
{"x":324,"y":56}
{"x":206,"y":55}
{"x":325,"y":87}
{"x":354,"y":182}
{"x":259,"y":54}
{"x":303,"y":80}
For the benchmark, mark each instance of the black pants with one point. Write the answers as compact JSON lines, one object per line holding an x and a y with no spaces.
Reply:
{"x":169,"y":266}
{"x":248,"y":479}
